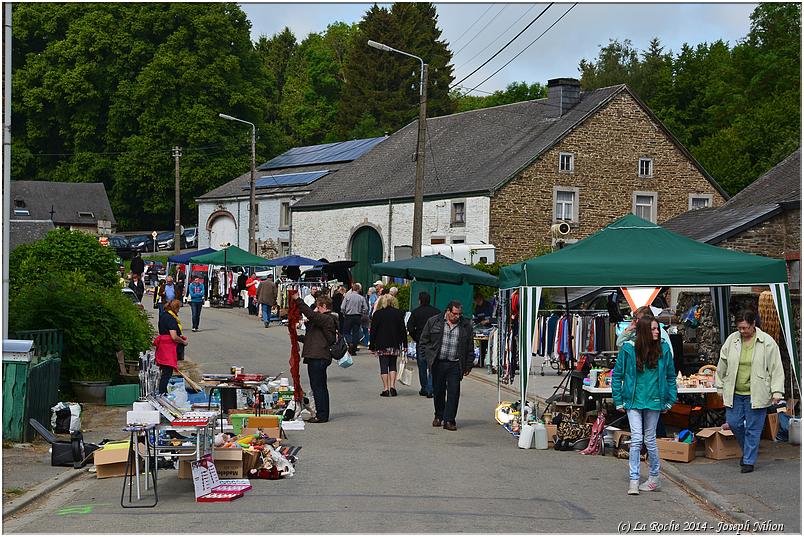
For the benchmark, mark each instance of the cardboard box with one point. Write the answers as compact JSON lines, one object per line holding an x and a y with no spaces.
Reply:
{"x":619,"y":436}
{"x":185,"y":470}
{"x":110,"y":461}
{"x":268,"y":421}
{"x":671,"y":450}
{"x":771,"y":426}
{"x":720,"y":444}
{"x":551,"y":432}
{"x":234,"y":463}
{"x":272,"y":432}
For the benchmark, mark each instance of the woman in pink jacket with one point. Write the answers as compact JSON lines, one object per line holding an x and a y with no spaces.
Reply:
{"x":168,"y":342}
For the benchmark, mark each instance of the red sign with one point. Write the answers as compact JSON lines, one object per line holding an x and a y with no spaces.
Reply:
{"x":104,"y":241}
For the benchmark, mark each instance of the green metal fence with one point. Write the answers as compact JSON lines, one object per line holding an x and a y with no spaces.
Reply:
{"x":49,"y":342}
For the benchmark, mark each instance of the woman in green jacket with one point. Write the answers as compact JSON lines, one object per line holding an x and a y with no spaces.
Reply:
{"x":749,"y":378}
{"x":643,"y":384}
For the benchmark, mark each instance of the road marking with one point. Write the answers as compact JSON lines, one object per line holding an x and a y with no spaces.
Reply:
{"x":75,"y":510}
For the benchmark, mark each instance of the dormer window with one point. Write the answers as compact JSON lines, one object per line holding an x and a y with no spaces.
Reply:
{"x":22,"y":212}
{"x":85,"y":214}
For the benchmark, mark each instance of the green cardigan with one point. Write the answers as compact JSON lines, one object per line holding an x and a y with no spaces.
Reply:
{"x":623,"y":378}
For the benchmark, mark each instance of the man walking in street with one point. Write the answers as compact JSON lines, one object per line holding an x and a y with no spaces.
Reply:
{"x":170,"y":290}
{"x":137,"y":265}
{"x":266,"y":299}
{"x":181,"y":278}
{"x":353,"y":308}
{"x":197,"y":293}
{"x":418,"y":318}
{"x":448,"y":346}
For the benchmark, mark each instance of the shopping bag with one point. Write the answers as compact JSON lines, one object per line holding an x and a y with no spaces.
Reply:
{"x":346,"y":361}
{"x":405,"y":372}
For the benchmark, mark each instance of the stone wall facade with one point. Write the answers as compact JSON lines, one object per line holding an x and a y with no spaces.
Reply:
{"x":776,"y":237}
{"x":607,"y":148}
{"x":268,"y":230}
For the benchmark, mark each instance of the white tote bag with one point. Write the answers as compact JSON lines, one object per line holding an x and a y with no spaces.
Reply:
{"x":405,"y":372}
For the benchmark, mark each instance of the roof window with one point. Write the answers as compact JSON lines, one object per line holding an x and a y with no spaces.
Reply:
{"x":22,"y":212}
{"x":86,"y":214}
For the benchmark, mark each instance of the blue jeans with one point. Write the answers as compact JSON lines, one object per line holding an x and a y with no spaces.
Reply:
{"x":317,"y":371}
{"x":643,"y":429}
{"x":266,"y":313}
{"x":196,"y":309}
{"x":425,"y":375}
{"x":746,"y":423}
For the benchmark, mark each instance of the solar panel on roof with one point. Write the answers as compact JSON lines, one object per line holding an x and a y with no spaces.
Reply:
{"x":322,"y":153}
{"x":288,"y":179}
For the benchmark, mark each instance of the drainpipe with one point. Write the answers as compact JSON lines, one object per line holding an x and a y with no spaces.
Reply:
{"x":390,"y":218}
{"x":238,"y":223}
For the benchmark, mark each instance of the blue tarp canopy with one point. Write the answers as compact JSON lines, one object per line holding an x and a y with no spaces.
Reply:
{"x":293,"y":261}
{"x":183,"y":259}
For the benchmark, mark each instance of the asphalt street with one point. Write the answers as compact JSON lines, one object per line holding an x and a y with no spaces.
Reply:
{"x":378,"y":466}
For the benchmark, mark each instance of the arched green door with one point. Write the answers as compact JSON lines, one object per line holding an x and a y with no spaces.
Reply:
{"x":366,"y":250}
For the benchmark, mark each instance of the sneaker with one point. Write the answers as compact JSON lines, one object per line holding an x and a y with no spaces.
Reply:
{"x":195,"y":329}
{"x":633,"y":487}
{"x":747,"y":469}
{"x":651,"y":485}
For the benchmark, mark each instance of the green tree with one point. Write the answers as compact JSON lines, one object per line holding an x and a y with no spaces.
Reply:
{"x":515,"y":92}
{"x":103,"y":91}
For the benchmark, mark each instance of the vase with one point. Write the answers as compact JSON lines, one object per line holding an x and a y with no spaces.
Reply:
{"x":90,"y":391}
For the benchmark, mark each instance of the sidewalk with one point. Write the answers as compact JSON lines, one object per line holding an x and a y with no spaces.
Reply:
{"x":771,"y":493}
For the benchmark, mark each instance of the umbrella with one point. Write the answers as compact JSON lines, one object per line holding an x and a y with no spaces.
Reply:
{"x":293,"y":261}
{"x":185,"y":258}
{"x":436,"y":268}
{"x":230,"y":256}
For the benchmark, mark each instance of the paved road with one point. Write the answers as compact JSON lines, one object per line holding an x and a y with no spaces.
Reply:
{"x":378,"y":467}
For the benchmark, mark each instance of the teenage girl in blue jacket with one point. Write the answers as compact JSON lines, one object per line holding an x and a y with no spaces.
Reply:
{"x":643,"y":384}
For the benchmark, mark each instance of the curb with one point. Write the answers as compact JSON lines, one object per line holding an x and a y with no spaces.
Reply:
{"x":717,"y":503}
{"x":40,"y":490}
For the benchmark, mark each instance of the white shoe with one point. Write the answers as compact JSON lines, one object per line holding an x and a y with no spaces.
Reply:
{"x":633,"y":487}
{"x":651,"y":485}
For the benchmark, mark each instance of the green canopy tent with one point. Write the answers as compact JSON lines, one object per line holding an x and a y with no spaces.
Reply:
{"x":229,"y":257}
{"x":439,"y":275}
{"x":633,"y":252}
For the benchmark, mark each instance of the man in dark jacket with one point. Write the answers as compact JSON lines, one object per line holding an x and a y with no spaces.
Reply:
{"x":266,"y":298}
{"x":137,"y":264}
{"x":320,"y":335}
{"x":416,"y":323}
{"x":448,"y":345}
{"x":136,"y":285}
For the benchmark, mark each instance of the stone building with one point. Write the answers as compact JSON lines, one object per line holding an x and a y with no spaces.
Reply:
{"x":503,"y":176}
{"x":280,"y":183}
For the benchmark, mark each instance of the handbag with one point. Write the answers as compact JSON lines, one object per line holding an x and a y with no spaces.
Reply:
{"x":346,"y":361}
{"x":405,"y":372}
{"x":338,"y":349}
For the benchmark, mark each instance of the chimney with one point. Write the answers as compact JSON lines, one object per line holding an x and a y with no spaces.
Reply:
{"x":562,"y":95}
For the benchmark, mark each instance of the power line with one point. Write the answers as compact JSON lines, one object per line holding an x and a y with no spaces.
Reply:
{"x":526,"y":48}
{"x":481,"y":30}
{"x":472,"y":25}
{"x":484,"y":49}
{"x":506,"y":46}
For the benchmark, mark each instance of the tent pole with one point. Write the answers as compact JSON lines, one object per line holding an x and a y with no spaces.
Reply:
{"x":569,"y":337}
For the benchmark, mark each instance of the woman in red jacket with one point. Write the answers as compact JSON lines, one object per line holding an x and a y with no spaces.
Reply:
{"x":170,"y":343}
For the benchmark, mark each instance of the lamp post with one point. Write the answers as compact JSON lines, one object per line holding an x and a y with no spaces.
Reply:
{"x":252,"y":203}
{"x":418,"y":193}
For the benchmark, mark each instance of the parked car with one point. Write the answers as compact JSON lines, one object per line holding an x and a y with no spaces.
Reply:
{"x":130,"y":294}
{"x":164,"y":241}
{"x":160,"y":271}
{"x":121,"y":246}
{"x":142,"y":243}
{"x":190,"y":238}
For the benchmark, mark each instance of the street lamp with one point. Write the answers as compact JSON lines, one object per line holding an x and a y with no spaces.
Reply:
{"x":418,"y":195}
{"x":252,"y":201}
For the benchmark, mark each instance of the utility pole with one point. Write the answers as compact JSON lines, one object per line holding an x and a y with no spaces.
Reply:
{"x":177,"y":224}
{"x":6,"y":202}
{"x":252,"y":198}
{"x":418,"y":193}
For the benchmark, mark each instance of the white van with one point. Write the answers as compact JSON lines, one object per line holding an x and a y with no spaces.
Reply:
{"x":468,"y":254}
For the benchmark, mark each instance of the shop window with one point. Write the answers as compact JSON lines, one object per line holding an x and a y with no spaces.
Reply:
{"x":644,"y":205}
{"x":566,"y":162}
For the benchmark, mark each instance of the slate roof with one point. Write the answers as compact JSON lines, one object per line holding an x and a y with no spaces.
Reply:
{"x":27,"y":231}
{"x":761,"y":200}
{"x":66,"y":199}
{"x":468,"y":152}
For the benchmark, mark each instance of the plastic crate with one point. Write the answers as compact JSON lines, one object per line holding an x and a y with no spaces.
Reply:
{"x":122,"y":394}
{"x":237,"y":421}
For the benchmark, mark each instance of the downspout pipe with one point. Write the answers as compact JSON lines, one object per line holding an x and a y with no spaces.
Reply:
{"x":390,"y":223}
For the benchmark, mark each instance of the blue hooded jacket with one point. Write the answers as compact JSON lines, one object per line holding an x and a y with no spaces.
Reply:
{"x":623,"y":378}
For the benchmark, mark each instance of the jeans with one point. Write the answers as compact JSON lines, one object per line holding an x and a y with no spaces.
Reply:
{"x":425,"y":375}
{"x":446,"y":382}
{"x":266,"y":312}
{"x":317,"y":371}
{"x":746,"y":423}
{"x":351,"y":329}
{"x":643,"y":429}
{"x":196,"y":309}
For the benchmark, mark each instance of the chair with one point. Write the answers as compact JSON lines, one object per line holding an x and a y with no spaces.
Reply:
{"x":129,"y":369}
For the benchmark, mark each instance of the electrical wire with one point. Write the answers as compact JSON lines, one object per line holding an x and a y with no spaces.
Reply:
{"x":482,"y":29}
{"x":524,"y":49}
{"x":472,"y":25}
{"x":505,"y":47}
{"x":484,"y":49}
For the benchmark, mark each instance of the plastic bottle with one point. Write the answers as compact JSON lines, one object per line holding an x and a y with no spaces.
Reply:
{"x":526,"y":436}
{"x":539,"y":436}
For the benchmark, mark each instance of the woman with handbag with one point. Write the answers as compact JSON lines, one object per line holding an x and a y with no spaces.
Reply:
{"x":169,"y":344}
{"x":388,"y":336}
{"x":643,"y":384}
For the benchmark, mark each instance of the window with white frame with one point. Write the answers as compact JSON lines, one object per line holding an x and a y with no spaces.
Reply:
{"x":565,"y":204}
{"x":284,"y":215}
{"x":566,"y":162}
{"x":644,"y":205}
{"x":458,"y":213}
{"x":646,"y":167}
{"x":700,"y":201}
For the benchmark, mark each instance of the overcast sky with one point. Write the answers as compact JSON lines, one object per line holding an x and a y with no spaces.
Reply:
{"x":476,"y":31}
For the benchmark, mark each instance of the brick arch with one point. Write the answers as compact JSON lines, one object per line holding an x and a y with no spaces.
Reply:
{"x":217,"y":214}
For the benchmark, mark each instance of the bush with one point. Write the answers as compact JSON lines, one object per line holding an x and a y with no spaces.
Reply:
{"x":96,"y":322}
{"x":403,"y":297}
{"x":62,"y":250}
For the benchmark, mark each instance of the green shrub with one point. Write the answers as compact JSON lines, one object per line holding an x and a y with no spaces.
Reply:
{"x":96,"y":322}
{"x":62,"y":250}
